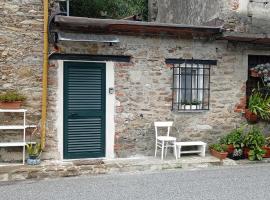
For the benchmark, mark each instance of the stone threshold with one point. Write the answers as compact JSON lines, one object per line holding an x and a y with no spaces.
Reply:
{"x":56,"y":169}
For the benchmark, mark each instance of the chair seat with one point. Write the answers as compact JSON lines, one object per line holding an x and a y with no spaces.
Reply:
{"x":166,"y":138}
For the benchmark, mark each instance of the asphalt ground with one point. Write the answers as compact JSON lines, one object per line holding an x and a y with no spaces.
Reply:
{"x":223,"y":183}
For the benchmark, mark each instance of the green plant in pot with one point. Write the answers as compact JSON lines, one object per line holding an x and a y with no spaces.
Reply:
{"x":267,"y":148}
{"x":218,"y":150}
{"x":234,"y":142}
{"x":34,"y":151}
{"x":193,"y":104}
{"x":254,"y":141}
{"x":11,"y":99}
{"x":258,"y":105}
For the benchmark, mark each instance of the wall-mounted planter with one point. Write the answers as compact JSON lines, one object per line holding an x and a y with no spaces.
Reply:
{"x":10,"y":105}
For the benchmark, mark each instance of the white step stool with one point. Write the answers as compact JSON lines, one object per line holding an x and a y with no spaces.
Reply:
{"x":201,"y":148}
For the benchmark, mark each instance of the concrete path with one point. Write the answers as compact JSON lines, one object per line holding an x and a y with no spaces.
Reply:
{"x":222,"y":183}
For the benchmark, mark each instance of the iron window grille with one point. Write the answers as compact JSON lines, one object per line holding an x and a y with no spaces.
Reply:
{"x":191,"y":84}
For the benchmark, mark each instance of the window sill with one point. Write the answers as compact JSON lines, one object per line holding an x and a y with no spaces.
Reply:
{"x":189,"y":111}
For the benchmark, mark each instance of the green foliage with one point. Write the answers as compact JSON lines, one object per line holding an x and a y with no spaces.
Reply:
{"x":259,"y":105}
{"x":218,"y":147}
{"x":33,"y":149}
{"x":256,"y":154}
{"x":235,"y":137}
{"x":193,"y":102}
{"x":108,"y":8}
{"x":254,"y":138}
{"x":11,"y":96}
{"x":267,"y":141}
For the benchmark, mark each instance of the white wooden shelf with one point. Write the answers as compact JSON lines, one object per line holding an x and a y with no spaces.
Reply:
{"x":10,"y":127}
{"x":16,"y":127}
{"x":13,"y":110}
{"x":12,"y":144}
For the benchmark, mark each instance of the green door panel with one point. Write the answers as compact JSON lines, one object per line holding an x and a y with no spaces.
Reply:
{"x":84,"y":109}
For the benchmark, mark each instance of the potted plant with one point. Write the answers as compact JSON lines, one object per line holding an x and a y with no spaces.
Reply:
{"x":234,"y":142}
{"x":254,"y":141}
{"x":258,"y":105}
{"x":191,"y":105}
{"x":34,"y":151}
{"x":11,"y":100}
{"x":267,"y":148}
{"x":219,"y":151}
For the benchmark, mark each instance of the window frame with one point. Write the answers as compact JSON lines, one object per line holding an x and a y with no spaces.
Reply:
{"x":202,"y":89}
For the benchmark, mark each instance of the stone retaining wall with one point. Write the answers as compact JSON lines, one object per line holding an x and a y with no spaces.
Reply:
{"x":21,"y":33}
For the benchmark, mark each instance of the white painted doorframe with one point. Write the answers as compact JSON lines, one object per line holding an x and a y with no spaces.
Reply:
{"x":110,"y":105}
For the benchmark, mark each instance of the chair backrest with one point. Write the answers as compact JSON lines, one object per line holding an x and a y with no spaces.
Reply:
{"x":162,"y":125}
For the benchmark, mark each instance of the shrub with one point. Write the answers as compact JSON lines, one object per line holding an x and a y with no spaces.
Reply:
{"x":11,"y":96}
{"x":218,"y":147}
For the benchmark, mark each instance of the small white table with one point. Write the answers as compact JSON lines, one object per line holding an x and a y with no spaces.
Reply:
{"x":201,"y":146}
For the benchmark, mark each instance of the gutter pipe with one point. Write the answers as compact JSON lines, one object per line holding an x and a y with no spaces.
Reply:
{"x":44,"y":74}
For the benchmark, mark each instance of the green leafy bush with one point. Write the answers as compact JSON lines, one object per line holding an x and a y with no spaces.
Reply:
{"x":33,"y":149}
{"x":116,"y":9}
{"x":259,"y":104}
{"x":11,"y":96}
{"x":255,"y":140}
{"x":218,"y":147}
{"x":235,"y":137}
{"x":256,"y":154}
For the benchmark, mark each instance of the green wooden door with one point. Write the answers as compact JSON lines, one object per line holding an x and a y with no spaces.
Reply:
{"x":84,"y":109}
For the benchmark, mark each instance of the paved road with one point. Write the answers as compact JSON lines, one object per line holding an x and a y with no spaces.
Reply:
{"x":248,"y":182}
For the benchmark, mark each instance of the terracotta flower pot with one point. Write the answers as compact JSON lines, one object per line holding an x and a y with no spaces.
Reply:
{"x":230,"y":148}
{"x":253,"y":73}
{"x":267,"y":153}
{"x":10,"y":105}
{"x":256,"y":74}
{"x":245,"y":152}
{"x":219,"y":155}
{"x":250,"y":116}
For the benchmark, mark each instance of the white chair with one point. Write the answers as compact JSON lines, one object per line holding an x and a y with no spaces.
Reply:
{"x":166,"y":141}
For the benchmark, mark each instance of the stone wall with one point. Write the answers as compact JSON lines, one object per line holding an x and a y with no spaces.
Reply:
{"x":21,"y":33}
{"x":143,"y":89}
{"x":236,"y":15}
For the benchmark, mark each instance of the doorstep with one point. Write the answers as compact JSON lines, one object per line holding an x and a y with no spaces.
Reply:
{"x":55,"y":169}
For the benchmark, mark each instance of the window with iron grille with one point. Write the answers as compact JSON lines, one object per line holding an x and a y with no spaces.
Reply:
{"x":191,"y":84}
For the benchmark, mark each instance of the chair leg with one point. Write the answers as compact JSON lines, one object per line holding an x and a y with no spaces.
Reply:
{"x":203,"y":150}
{"x":156,"y":150}
{"x":179,"y":151}
{"x":166,"y":149}
{"x":162,"y":150}
{"x":175,"y":151}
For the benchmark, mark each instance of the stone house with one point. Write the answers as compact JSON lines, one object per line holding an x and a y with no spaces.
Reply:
{"x":114,"y":78}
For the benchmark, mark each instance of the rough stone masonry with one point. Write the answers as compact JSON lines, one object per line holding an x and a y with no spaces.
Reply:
{"x":143,"y":86}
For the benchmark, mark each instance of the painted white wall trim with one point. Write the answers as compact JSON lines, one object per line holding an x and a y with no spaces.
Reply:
{"x":110,"y":108}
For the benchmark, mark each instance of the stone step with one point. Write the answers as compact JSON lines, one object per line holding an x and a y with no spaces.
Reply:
{"x":51,"y":169}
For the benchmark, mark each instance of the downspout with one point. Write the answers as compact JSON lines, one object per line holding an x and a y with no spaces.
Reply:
{"x":44,"y":74}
